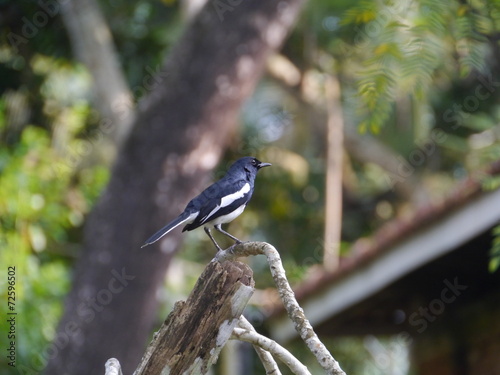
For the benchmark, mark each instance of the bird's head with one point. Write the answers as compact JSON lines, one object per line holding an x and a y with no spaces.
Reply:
{"x":249,"y":165}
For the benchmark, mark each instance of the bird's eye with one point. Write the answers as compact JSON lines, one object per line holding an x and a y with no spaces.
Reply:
{"x":254,"y":161}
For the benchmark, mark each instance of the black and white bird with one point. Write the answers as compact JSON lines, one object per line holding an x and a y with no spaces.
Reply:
{"x":218,"y":204}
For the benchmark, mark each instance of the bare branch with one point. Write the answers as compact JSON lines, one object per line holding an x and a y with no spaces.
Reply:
{"x":295,"y":312}
{"x":265,"y":357}
{"x":272,"y":346}
{"x":113,"y":367}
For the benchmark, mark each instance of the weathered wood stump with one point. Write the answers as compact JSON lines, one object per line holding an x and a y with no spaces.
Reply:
{"x":192,"y":336}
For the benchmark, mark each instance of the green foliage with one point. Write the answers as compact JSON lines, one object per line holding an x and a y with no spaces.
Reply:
{"x":50,"y":141}
{"x":402,"y":46}
{"x":495,"y":250}
{"x":39,"y":205}
{"x":45,"y":190}
{"x":143,"y":31}
{"x":493,"y":183}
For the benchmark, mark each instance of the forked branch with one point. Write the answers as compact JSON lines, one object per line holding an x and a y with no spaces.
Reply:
{"x":295,"y":312}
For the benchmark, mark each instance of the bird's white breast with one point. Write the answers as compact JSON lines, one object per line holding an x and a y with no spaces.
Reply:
{"x":229,"y":217}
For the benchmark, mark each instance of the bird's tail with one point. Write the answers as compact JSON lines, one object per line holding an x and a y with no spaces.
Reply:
{"x":182,"y":218}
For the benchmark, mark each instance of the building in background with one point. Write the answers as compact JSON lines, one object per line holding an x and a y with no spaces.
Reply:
{"x":424,"y":280}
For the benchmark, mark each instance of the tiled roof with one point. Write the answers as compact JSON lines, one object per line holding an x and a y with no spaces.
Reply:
{"x":366,"y":249}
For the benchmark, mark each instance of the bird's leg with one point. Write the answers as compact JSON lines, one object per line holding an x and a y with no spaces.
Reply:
{"x":207,"y":231}
{"x":218,"y":227}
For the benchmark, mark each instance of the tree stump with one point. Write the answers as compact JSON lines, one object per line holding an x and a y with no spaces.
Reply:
{"x":192,"y":336}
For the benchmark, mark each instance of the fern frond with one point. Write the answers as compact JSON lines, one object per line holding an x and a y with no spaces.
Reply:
{"x":471,"y":46}
{"x":411,"y":43}
{"x":363,"y":13}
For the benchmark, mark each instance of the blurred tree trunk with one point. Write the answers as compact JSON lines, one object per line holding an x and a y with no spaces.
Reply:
{"x":334,"y":167}
{"x":364,"y":148}
{"x":93,"y":45}
{"x":181,"y":131}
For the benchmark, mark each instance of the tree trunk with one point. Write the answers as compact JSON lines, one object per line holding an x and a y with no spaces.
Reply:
{"x":334,"y":167}
{"x":181,"y":130}
{"x":93,"y":45}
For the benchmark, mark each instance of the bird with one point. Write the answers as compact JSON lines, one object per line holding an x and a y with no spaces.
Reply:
{"x":218,"y":204}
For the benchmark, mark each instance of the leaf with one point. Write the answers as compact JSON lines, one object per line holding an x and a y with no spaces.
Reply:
{"x":365,"y":12}
{"x":491,"y":183}
{"x":494,"y":263}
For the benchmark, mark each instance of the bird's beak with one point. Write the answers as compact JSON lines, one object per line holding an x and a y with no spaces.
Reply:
{"x":262,"y":165}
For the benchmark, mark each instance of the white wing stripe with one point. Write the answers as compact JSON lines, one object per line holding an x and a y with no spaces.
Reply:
{"x":228,"y":199}
{"x":210,"y":214}
{"x":191,"y":218}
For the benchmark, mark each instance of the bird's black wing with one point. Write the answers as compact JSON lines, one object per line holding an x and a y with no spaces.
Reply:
{"x":219,"y":199}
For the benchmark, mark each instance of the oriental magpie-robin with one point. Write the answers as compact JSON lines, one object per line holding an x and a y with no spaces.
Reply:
{"x":218,"y":204}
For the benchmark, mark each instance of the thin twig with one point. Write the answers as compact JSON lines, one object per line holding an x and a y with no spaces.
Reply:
{"x":265,"y":357}
{"x":273,"y":347}
{"x":295,"y":312}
